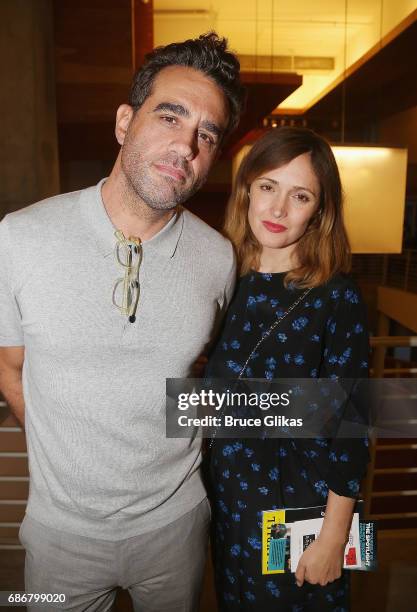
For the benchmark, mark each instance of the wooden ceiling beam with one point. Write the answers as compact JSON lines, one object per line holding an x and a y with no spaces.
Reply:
{"x":265,"y":91}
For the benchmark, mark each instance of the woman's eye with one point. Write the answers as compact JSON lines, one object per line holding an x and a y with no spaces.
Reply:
{"x":302,"y":198}
{"x":265,"y":187}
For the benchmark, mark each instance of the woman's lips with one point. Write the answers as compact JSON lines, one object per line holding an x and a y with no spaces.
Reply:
{"x":276,"y":228}
{"x":175,"y":173}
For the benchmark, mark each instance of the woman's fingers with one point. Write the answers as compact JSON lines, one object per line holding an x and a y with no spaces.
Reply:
{"x":300,"y":574}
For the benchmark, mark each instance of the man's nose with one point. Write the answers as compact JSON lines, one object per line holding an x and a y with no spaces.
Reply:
{"x":185,"y":144}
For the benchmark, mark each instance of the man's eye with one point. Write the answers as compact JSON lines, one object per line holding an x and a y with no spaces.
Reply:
{"x":169,"y":119}
{"x":206,"y":138}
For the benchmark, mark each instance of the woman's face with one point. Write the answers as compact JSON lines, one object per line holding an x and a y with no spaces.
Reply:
{"x":282,"y":202}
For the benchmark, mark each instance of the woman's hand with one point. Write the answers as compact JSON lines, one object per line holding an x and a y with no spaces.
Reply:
{"x":321,"y":562}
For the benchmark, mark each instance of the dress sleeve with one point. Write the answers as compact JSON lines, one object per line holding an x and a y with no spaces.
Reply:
{"x":10,"y":317}
{"x":346,"y":356}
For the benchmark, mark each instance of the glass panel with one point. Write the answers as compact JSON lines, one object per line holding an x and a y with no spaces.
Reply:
{"x":364,"y":28}
{"x":394,"y":11}
{"x":298,"y":36}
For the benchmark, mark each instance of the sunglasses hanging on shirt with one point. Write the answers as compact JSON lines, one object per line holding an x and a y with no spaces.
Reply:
{"x":128,"y":253}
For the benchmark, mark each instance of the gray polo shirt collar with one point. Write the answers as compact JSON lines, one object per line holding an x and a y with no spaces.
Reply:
{"x":164,"y":243}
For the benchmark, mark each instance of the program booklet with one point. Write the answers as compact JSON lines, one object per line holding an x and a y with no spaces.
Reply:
{"x":287,"y":532}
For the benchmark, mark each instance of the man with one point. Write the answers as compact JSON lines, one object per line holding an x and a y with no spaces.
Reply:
{"x":98,"y":334}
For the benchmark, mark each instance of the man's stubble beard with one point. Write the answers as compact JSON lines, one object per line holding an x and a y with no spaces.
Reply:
{"x":163,"y":195}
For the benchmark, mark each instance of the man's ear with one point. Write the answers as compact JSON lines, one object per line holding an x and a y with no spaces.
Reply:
{"x":123,"y":118}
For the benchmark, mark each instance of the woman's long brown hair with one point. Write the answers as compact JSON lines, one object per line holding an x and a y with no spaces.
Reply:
{"x":323,"y":250}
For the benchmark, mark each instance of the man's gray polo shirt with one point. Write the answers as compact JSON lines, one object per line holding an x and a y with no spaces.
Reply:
{"x":94,"y":384}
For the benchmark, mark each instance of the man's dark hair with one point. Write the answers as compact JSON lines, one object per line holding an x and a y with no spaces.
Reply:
{"x":208,"y":54}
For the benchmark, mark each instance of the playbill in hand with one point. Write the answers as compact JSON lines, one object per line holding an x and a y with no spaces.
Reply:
{"x":287,"y":532}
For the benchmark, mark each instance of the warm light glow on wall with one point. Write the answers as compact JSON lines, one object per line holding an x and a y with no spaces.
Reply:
{"x":374,"y":181}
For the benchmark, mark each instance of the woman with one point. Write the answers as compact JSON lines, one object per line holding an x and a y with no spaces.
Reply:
{"x":285,"y":220}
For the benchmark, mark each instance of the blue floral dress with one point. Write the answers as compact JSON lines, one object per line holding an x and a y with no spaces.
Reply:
{"x":324,"y":336}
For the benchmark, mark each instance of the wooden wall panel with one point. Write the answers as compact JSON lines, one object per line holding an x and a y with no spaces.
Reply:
{"x":13,"y":466}
{"x":12,"y":441}
{"x":14,"y":490}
